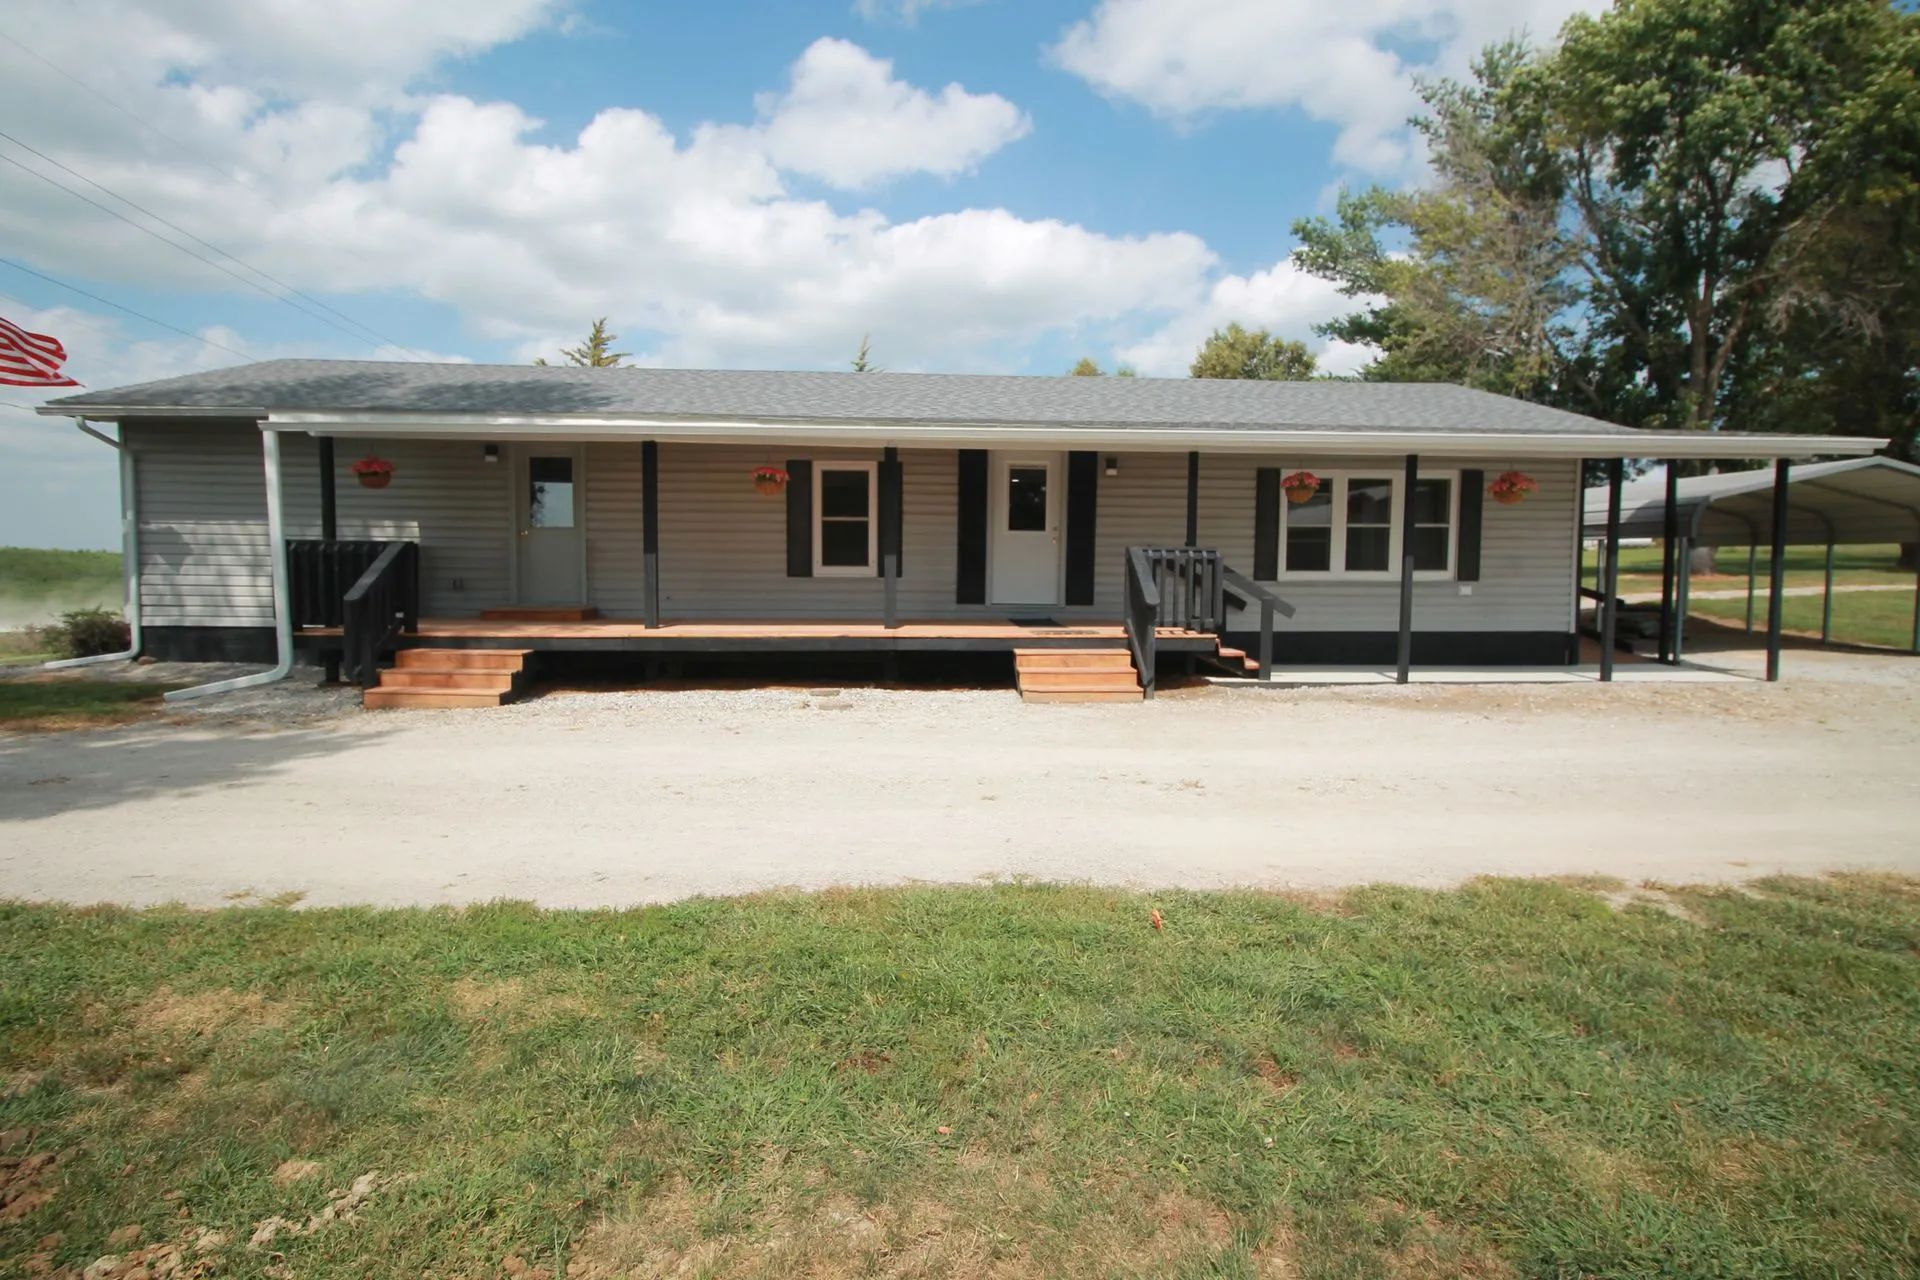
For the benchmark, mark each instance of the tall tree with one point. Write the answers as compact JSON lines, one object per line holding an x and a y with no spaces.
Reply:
{"x":1234,"y":352}
{"x":863,"y":359}
{"x":596,"y":352}
{"x":1652,"y":221}
{"x":1087,"y":368}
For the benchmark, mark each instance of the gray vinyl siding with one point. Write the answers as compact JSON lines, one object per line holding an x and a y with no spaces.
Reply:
{"x":722,"y":554}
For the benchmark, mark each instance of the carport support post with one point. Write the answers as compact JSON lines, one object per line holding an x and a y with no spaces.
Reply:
{"x":1685,"y":592}
{"x":890,"y":520}
{"x":1826,"y":600}
{"x":1412,"y":481}
{"x":1777,"y":571}
{"x":1610,"y":593}
{"x":1669,"y":534}
{"x":1193,"y":498}
{"x":1753,"y":576}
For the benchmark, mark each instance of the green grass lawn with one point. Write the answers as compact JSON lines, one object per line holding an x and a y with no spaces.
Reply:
{"x":22,"y":647}
{"x":30,"y":703}
{"x":1806,"y":566}
{"x":1511,"y":1079}
{"x":30,"y":573}
{"x":1859,"y":617}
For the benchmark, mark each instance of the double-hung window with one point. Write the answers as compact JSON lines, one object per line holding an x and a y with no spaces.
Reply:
{"x":845,"y":527}
{"x":1353,"y":526}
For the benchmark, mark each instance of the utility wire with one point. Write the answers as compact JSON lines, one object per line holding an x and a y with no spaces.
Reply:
{"x":138,"y":315}
{"x":377,"y":336}
{"x":200,"y":158}
{"x":198,"y":257}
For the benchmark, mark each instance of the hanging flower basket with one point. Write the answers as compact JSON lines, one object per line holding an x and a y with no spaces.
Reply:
{"x":1512,"y":487}
{"x":373,"y":473}
{"x":1300,"y":487}
{"x":770,"y":480}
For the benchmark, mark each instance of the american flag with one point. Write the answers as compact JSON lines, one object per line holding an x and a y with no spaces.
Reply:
{"x":31,"y":359}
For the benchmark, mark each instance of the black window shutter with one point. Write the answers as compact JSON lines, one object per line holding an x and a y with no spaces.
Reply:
{"x":1266,"y":524}
{"x":1083,"y":520}
{"x":1473,"y":492}
{"x":970,"y":574}
{"x":892,"y":514}
{"x":799,"y":518}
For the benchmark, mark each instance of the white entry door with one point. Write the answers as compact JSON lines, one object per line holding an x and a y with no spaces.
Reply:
{"x":547,"y":514}
{"x":1025,"y":513}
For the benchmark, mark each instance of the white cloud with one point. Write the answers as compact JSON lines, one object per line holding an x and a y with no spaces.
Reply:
{"x":1282,"y":299}
{"x":1348,"y":64}
{"x":906,"y":12}
{"x":847,"y":120}
{"x":695,"y":238}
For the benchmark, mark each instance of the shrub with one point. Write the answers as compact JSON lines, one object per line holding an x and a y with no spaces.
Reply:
{"x":81,"y":633}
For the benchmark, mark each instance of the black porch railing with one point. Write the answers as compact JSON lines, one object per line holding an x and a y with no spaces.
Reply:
{"x":320,"y":572}
{"x":1189,"y":588}
{"x":378,"y":608}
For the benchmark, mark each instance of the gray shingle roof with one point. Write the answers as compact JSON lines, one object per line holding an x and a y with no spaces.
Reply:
{"x":320,"y":386}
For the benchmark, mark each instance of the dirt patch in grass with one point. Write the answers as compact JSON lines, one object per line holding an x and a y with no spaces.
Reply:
{"x":204,"y":1013}
{"x":514,"y":1001}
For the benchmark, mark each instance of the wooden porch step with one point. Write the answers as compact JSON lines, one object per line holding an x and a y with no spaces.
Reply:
{"x":442,"y":699}
{"x":542,"y":613}
{"x":445,"y":678}
{"x":462,"y":659}
{"x":1076,"y":675}
{"x":1073,"y":660}
{"x":1238,"y":657}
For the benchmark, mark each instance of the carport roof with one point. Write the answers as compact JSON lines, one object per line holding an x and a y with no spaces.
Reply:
{"x":1854,"y":501}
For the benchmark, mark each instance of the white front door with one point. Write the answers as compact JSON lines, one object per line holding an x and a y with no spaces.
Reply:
{"x":548,"y":515}
{"x":1024,"y":510}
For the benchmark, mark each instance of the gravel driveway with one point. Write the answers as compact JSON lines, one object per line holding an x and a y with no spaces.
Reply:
{"x":619,"y":798}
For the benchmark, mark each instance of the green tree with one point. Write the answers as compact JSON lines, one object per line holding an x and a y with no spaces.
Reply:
{"x":1087,"y":368}
{"x":863,"y":359}
{"x":1689,"y":211}
{"x":1234,"y":352}
{"x":596,"y":352}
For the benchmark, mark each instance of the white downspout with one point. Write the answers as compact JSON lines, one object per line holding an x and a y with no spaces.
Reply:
{"x":129,"y":553}
{"x":282,"y":601}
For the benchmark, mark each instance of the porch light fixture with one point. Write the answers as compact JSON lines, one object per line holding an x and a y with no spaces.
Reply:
{"x":490,"y":453}
{"x":1113,"y":466}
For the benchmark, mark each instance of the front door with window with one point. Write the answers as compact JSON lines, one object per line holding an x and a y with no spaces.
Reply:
{"x":548,"y":515}
{"x":1024,"y":558}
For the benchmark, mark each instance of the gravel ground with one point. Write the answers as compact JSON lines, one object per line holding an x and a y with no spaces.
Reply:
{"x":611,"y":798}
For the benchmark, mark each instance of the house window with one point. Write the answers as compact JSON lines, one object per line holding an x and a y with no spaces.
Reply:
{"x":1352,"y":527}
{"x":845,"y":529}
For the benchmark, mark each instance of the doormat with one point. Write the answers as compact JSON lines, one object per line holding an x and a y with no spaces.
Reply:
{"x":1034,"y":622}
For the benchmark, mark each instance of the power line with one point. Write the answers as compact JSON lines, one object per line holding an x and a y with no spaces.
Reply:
{"x":226,"y":175}
{"x":175,"y":244}
{"x":368,"y":329}
{"x":108,"y":302}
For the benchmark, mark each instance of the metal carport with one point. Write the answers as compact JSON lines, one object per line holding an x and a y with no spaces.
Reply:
{"x":1858,"y":500}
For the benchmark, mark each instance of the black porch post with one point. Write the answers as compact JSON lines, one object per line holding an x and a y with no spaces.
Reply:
{"x":329,"y":510}
{"x":1405,"y":671}
{"x":1669,"y":534}
{"x":650,"y":527}
{"x":1682,"y":598}
{"x":1753,"y":576}
{"x":329,"y":532}
{"x":1193,"y":498}
{"x":1777,"y":571}
{"x":890,"y":522}
{"x":1826,"y":598}
{"x":1610,"y":593}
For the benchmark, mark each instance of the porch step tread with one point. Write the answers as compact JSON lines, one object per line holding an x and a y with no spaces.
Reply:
{"x":1083,"y":695}
{"x":376,"y":699}
{"x":541,"y":613}
{"x":1072,"y":660}
{"x":462,"y":659}
{"x":1043,"y":680}
{"x":434,"y":678}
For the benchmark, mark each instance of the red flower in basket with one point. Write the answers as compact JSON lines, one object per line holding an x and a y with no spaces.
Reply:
{"x":1300,"y":486}
{"x":374,"y":473}
{"x":1510,"y":487}
{"x":770,"y":480}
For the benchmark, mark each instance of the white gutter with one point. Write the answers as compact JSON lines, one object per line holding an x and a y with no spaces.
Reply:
{"x":282,"y":599}
{"x":1438,"y":444}
{"x":1622,"y":443}
{"x":129,"y":556}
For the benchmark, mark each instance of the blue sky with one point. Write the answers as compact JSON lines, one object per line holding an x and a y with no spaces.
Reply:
{"x":983,"y":185}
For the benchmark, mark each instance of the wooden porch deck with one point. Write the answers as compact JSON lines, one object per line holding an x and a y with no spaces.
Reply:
{"x":615,"y":635}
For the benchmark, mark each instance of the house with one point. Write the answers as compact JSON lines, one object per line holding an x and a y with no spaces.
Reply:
{"x":1092,"y":526}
